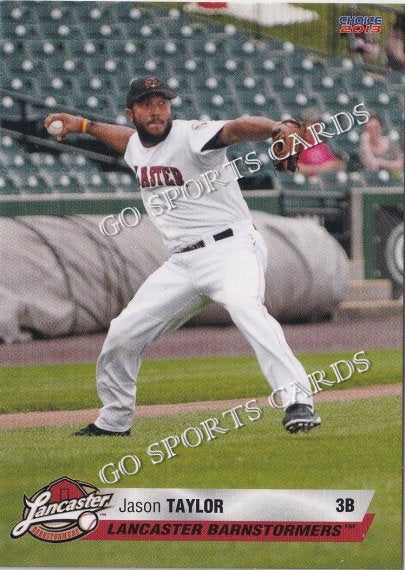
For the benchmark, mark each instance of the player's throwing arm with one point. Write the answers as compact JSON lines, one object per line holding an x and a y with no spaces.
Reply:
{"x":115,"y":136}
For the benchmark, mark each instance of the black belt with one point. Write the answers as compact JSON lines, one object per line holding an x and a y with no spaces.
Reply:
{"x":222,"y":235}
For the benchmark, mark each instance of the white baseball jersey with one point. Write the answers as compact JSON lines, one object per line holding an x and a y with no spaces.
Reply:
{"x":187,"y":192}
{"x":186,"y":209}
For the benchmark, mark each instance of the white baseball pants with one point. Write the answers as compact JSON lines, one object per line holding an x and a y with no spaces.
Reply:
{"x":230,"y":272}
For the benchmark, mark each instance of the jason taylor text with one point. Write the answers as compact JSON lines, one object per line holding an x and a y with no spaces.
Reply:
{"x":174,"y":506}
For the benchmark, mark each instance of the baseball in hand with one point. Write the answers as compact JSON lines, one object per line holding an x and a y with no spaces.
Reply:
{"x":55,"y":128}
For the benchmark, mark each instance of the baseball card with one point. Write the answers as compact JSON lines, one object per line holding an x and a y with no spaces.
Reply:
{"x":201,"y":253}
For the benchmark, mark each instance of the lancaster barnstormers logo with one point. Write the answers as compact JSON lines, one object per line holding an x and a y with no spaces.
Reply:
{"x":64,"y":510}
{"x":152,"y":83}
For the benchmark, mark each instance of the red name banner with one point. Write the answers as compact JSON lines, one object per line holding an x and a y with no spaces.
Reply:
{"x":272,"y":531}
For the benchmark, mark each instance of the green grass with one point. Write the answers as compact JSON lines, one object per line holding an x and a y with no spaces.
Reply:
{"x":72,"y":386}
{"x":358,"y":447}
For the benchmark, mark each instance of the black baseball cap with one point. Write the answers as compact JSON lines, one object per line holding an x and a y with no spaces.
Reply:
{"x":145,"y":86}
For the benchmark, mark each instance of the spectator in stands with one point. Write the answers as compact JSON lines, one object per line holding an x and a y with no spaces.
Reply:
{"x":395,"y":48}
{"x":363,"y":44}
{"x":378,"y":152}
{"x":319,"y":158}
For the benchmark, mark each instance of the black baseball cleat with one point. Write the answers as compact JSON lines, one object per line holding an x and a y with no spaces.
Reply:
{"x":300,"y":417}
{"x":92,"y":429}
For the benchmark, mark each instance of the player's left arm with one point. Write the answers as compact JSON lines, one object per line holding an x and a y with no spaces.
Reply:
{"x":245,"y":129}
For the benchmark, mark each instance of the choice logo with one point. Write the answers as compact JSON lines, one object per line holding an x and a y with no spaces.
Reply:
{"x":64,"y":510}
{"x":360,"y":24}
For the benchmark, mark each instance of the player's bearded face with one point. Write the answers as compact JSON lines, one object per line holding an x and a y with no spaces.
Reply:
{"x":152,"y":119}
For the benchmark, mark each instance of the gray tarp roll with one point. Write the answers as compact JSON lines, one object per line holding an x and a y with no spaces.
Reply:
{"x":62,"y":276}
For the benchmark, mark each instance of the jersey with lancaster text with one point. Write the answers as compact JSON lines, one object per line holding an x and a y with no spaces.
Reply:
{"x":187,"y":192}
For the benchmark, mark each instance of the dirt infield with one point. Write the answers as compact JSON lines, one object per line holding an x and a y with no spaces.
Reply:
{"x":60,"y":418}
{"x":382,"y":332}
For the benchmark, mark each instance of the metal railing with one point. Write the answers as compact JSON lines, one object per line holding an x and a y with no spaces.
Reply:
{"x":26,"y":100}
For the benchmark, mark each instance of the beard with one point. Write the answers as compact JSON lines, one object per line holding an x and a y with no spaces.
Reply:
{"x":151,"y":139}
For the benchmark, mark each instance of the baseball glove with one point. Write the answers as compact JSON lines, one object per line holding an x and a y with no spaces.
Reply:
{"x":280,"y":151}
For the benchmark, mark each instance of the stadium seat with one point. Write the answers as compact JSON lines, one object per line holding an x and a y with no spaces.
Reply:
{"x":15,"y":160}
{"x":60,"y":182}
{"x":195,"y":66}
{"x":211,"y":49}
{"x":56,"y":30}
{"x":348,"y":143}
{"x":89,"y":12}
{"x":126,"y":11}
{"x":85,"y":49}
{"x":94,"y":84}
{"x":99,"y":183}
{"x":381,"y":178}
{"x":276,"y":78}
{"x":61,"y":12}
{"x":97,"y":102}
{"x":231,"y":66}
{"x":23,"y":84}
{"x":7,"y":186}
{"x":108,"y":66}
{"x":122,"y":182}
{"x":99,"y":30}
{"x":298,"y":97}
{"x":311,"y":65}
{"x":16,"y":65}
{"x":324,"y":82}
{"x":57,"y":90}
{"x":153,"y":66}
{"x":169,"y":28}
{"x":27,"y":179}
{"x":182,"y":83}
{"x":70,"y":67}
{"x":333,"y":99}
{"x":190,"y":30}
{"x":139,"y":29}
{"x":183,"y":107}
{"x":12,"y":110}
{"x":44,"y":160}
{"x":241,"y":47}
{"x":335,"y":182}
{"x":9,"y":152}
{"x":208,"y":84}
{"x":169,"y":48}
{"x":74,"y":163}
{"x":17,"y":12}
{"x":256,"y":103}
{"x":13,"y":53}
{"x":121,"y":85}
{"x":12,"y":30}
{"x":338,"y":101}
{"x":215,"y":101}
{"x":126,"y":49}
{"x":9,"y":145}
{"x":43,"y":51}
{"x":293,"y":188}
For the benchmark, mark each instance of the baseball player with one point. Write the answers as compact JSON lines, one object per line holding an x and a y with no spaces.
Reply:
{"x":216,"y":254}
